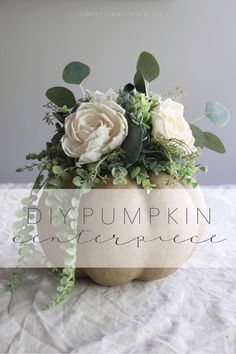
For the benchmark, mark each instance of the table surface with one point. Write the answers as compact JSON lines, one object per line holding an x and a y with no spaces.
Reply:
{"x":191,"y":311}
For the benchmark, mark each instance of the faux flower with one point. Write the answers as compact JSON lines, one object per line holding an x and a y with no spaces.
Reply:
{"x":97,"y":127}
{"x":97,"y":96}
{"x":168,"y":122}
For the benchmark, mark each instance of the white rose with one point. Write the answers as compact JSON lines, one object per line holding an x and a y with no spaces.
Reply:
{"x":168,"y":122}
{"x":97,"y":96}
{"x":97,"y":127}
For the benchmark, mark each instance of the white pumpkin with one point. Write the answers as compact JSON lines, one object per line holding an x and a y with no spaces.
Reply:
{"x":133,"y":263}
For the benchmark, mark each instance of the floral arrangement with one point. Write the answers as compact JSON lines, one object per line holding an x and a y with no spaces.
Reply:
{"x":128,"y":133}
{"x":118,"y":136}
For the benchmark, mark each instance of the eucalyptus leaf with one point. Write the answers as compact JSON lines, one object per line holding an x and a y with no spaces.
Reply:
{"x":75,"y":72}
{"x":139,"y":82}
{"x":61,"y":96}
{"x":66,"y":176}
{"x":77,"y":181}
{"x":133,"y":143}
{"x":214,"y":143}
{"x":217,"y":113}
{"x":148,"y":66}
{"x":72,"y":214}
{"x":129,"y":88}
{"x":57,"y":170}
{"x":75,"y":202}
{"x":199,"y":136}
{"x":55,"y":182}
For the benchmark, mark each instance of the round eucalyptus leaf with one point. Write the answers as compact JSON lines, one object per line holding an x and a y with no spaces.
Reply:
{"x":217,"y":113}
{"x":75,"y":72}
{"x":61,"y":96}
{"x":75,"y":202}
{"x":139,"y":82}
{"x":72,"y":214}
{"x":129,"y":88}
{"x":57,"y":170}
{"x":199,"y":136}
{"x":148,"y":66}
{"x":77,"y":181}
{"x":214,"y":143}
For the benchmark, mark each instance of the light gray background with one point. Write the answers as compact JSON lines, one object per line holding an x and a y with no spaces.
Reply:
{"x":194,"y":42}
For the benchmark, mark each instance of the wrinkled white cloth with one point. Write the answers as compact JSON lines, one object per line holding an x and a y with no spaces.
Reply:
{"x":191,"y":311}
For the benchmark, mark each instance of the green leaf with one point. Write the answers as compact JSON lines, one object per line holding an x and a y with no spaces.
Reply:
{"x":135,"y":171}
{"x":203,"y":168}
{"x":198,"y":135}
{"x":129,"y":88}
{"x":72,"y":214}
{"x":75,"y":72}
{"x":148,"y":66}
{"x":66,"y":176}
{"x":77,"y":181}
{"x":214,"y":143}
{"x":57,"y":170}
{"x":61,"y":96}
{"x":20,"y":213}
{"x":55,"y":182}
{"x":217,"y":113}
{"x":26,"y":201}
{"x":75,"y":202}
{"x":133,"y":143}
{"x":139,"y":82}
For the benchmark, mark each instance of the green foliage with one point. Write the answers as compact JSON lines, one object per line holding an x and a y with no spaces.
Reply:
{"x":119,"y":173}
{"x":129,"y":88}
{"x":206,"y":139}
{"x":75,"y":72}
{"x":61,"y":96}
{"x":135,"y":171}
{"x":138,"y":107}
{"x":217,"y":113}
{"x":69,"y":247}
{"x":64,"y":289}
{"x":214,"y":143}
{"x":57,"y":170}
{"x":199,"y":136}
{"x":148,"y":66}
{"x":139,"y":82}
{"x":16,"y":280}
{"x":133,"y":143}
{"x":24,"y":233}
{"x":142,"y":178}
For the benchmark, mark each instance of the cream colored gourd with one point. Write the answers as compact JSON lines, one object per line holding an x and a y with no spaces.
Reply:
{"x":115,"y":276}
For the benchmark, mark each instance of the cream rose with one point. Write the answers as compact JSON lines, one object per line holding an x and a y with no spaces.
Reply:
{"x":168,"y":122}
{"x":97,"y":127}
{"x":97,"y":96}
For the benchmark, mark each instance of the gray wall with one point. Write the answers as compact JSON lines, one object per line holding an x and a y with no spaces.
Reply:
{"x":194,"y":42}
